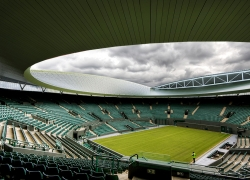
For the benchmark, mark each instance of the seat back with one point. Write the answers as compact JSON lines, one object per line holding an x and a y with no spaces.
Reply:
{"x":17,"y":163}
{"x":97,"y":174}
{"x":5,"y":169}
{"x":52,"y":165}
{"x":52,"y":171}
{"x":63,"y":167}
{"x":87,"y":171}
{"x":51,"y":177}
{"x":81,"y":176}
{"x":42,"y":162}
{"x":40,"y":167}
{"x":7,"y":160}
{"x":25,"y":159}
{"x":18,"y":172}
{"x":28,"y":165}
{"x":111,"y":177}
{"x":74,"y":169}
{"x":67,"y":174}
{"x":96,"y":178}
{"x":34,"y":175}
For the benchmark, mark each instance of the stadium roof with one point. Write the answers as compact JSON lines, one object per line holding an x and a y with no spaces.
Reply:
{"x":33,"y":31}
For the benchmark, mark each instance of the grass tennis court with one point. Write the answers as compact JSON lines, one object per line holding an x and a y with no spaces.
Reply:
{"x":178,"y":142}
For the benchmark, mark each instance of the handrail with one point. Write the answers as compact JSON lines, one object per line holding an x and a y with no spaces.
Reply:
{"x":4,"y":131}
{"x":133,"y":156}
{"x":14,"y":142}
{"x":14,"y":131}
{"x":144,"y":158}
{"x":24,"y":135}
{"x":107,"y":157}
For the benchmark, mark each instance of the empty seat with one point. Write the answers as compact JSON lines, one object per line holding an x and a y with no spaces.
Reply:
{"x":52,"y":165}
{"x":74,"y":169}
{"x":81,"y":176}
{"x":25,"y":159}
{"x":16,"y":157}
{"x":29,"y":166}
{"x":18,"y":172}
{"x":17,"y":163}
{"x":51,"y":177}
{"x":111,"y":177}
{"x":42,"y":162}
{"x":5,"y":170}
{"x":87,"y":171}
{"x":67,"y":174}
{"x":91,"y":177}
{"x":106,"y":170}
{"x":52,"y":171}
{"x":8,"y":155}
{"x":2,"y":153}
{"x":63,"y":167}
{"x":35,"y":161}
{"x":34,"y":175}
{"x":7,"y":160}
{"x":40,"y":167}
{"x":97,"y":174}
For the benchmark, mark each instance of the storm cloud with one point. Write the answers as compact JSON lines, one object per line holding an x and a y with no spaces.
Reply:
{"x":155,"y":64}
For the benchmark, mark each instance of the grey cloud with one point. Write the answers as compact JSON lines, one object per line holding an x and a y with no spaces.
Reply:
{"x":156,"y":64}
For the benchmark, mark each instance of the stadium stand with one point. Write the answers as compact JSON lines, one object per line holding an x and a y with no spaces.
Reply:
{"x":46,"y":124}
{"x":29,"y":166}
{"x":208,"y":111}
{"x":159,"y":109}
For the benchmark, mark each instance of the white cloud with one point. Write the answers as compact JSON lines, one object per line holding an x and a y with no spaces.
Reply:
{"x":155,"y":64}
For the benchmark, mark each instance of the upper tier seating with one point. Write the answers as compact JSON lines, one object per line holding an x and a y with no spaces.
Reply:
{"x":121,"y":125}
{"x":208,"y":111}
{"x":110,"y":107}
{"x":179,"y":109}
{"x":103,"y":129}
{"x":127,"y":109}
{"x":158,"y":110}
{"x":144,"y":123}
{"x":144,"y":109}
{"x":241,"y":113}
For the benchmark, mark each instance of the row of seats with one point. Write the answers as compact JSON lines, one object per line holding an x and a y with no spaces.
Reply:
{"x":23,"y":166}
{"x":17,"y":173}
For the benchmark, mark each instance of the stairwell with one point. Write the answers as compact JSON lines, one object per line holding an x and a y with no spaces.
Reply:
{"x":111,"y":126}
{"x":195,"y":109}
{"x":29,"y":138}
{"x":224,"y":119}
{"x":81,"y":107}
{"x":93,"y":132}
{"x":247,"y":121}
{"x":19,"y":134}
{"x":10,"y":133}
{"x":223,"y":110}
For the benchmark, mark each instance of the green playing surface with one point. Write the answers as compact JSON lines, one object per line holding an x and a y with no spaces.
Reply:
{"x":178,"y":142}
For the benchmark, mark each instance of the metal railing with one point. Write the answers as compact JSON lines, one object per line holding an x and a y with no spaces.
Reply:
{"x":24,"y":144}
{"x":113,"y":163}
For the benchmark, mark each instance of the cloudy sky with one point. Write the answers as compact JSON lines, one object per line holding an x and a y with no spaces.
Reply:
{"x":156,"y":64}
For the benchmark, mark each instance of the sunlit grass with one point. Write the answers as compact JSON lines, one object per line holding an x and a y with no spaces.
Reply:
{"x":178,"y":142}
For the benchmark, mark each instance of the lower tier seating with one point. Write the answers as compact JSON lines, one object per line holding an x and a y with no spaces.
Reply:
{"x":14,"y":165}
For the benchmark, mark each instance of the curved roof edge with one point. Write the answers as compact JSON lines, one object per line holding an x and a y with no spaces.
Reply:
{"x":87,"y":84}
